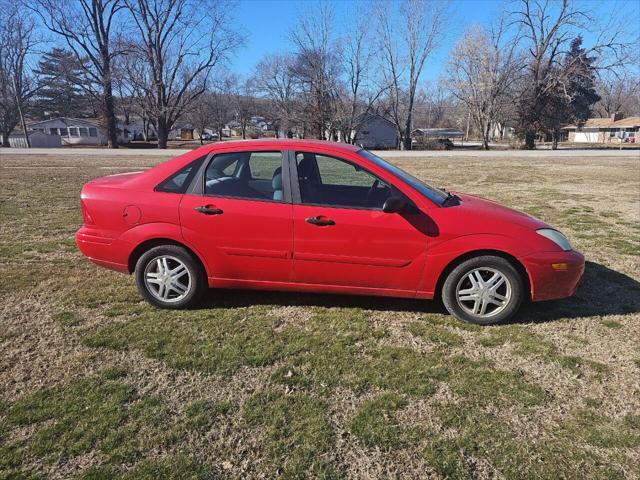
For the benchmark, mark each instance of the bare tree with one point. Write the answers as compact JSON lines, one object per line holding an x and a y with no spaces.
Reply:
{"x":481,"y":72}
{"x":548,"y":29}
{"x":244,"y":104}
{"x":362,"y":89}
{"x":17,"y":42}
{"x":618,"y":94}
{"x":88,"y":26}
{"x":274,"y":79}
{"x":181,"y":41}
{"x":405,"y":48}
{"x":317,"y":69}
{"x":201,"y":115}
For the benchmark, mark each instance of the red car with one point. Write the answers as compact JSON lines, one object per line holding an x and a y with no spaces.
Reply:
{"x":318,"y":217}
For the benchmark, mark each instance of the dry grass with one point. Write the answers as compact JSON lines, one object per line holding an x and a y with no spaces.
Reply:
{"x":97,"y":384}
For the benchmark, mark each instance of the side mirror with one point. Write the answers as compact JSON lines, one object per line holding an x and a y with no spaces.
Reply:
{"x":394,"y":205}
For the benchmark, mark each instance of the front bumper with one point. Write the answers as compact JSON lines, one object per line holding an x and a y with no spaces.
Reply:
{"x":549,"y":283}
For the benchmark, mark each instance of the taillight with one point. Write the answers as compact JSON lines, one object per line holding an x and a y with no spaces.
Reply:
{"x":86,"y":216}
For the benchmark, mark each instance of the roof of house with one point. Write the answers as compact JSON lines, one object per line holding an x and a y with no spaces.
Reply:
{"x":69,"y":121}
{"x":607,"y":122}
{"x":439,"y":132}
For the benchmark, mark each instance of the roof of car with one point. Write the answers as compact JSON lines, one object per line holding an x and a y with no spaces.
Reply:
{"x":286,"y":143}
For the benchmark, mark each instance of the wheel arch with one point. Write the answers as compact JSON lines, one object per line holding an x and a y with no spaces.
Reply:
{"x":520,"y":268}
{"x":142,"y":247}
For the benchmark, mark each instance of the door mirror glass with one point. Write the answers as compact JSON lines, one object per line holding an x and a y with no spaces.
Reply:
{"x":394,"y":205}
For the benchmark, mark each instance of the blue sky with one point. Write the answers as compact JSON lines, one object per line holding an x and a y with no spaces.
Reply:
{"x":267,"y":24}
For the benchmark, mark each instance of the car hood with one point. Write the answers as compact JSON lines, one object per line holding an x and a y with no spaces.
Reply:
{"x":481,"y":208}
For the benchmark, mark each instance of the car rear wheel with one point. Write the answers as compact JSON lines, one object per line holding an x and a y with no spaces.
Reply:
{"x":483,"y":290}
{"x":168,"y":276}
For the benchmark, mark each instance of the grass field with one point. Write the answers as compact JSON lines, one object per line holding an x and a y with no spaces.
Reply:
{"x":95,"y":383}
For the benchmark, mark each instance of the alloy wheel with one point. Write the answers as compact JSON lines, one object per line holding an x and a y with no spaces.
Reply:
{"x":484,"y":292}
{"x":167,"y":278}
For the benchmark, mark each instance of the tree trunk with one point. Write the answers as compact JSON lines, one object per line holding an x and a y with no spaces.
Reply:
{"x":163,"y":134}
{"x":554,"y":145}
{"x":485,"y":136}
{"x":407,"y":133}
{"x":108,"y":105}
{"x":5,"y":138}
{"x":530,"y":141}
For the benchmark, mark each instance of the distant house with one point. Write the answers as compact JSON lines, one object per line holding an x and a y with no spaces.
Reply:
{"x":72,"y":131}
{"x":375,"y":131}
{"x":502,"y":131}
{"x":82,"y":131}
{"x":611,"y":129}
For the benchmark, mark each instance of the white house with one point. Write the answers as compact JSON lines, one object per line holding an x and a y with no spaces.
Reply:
{"x":613,"y":129}
{"x":72,"y":131}
{"x":375,"y":131}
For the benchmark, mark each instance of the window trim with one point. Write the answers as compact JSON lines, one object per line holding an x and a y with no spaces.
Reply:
{"x":198,"y":183}
{"x":297,"y":197}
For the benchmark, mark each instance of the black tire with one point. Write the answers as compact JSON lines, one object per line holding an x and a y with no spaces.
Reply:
{"x":195,"y":274}
{"x":513,"y":289}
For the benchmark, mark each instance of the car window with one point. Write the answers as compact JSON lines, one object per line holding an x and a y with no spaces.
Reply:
{"x":179,"y":181}
{"x":335,"y":172}
{"x":263,"y":164}
{"x":251,"y":175}
{"x":332,"y":181}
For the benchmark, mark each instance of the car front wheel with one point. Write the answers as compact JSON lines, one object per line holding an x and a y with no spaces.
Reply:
{"x":168,"y":276}
{"x":483,"y":290}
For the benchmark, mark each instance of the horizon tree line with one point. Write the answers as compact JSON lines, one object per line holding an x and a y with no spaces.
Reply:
{"x":168,"y":61}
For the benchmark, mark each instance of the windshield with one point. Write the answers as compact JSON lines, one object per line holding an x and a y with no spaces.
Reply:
{"x":435,"y":195}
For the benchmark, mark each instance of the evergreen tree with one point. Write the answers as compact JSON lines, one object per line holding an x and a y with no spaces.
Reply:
{"x":580,"y":82}
{"x":65,"y":90}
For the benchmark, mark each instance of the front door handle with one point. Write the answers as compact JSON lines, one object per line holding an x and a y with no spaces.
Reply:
{"x":320,"y":221}
{"x":208,"y":210}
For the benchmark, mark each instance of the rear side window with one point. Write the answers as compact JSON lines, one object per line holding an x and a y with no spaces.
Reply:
{"x":248,"y":175}
{"x":180,"y":181}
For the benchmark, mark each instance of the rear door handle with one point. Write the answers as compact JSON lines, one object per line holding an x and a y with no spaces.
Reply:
{"x":320,"y":221}
{"x":208,"y":210}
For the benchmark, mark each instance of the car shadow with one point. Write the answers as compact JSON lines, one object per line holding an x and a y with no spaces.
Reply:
{"x":602,"y":292}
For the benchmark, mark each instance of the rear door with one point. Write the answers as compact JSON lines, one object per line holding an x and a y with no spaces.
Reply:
{"x":239,"y":217}
{"x":341,"y":235}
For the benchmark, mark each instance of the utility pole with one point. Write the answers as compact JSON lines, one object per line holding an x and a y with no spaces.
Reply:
{"x":468,"y":120}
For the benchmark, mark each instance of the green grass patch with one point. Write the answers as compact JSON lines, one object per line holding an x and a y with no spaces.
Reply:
{"x":297,"y":434}
{"x":612,"y":324}
{"x":600,"y":431}
{"x":177,"y":467}
{"x":435,"y":334}
{"x":67,"y":318}
{"x":211,"y":341}
{"x":528,"y":344}
{"x":476,"y":435}
{"x":100,"y":414}
{"x":375,"y":424}
{"x":202,"y":414}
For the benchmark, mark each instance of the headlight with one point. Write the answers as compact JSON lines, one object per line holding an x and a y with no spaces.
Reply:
{"x":556,"y":237}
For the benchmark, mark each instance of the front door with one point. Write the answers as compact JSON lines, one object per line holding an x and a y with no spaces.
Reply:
{"x":341,"y":235}
{"x":241,"y":221}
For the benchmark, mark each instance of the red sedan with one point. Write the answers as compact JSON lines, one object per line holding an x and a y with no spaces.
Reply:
{"x":318,"y":217}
